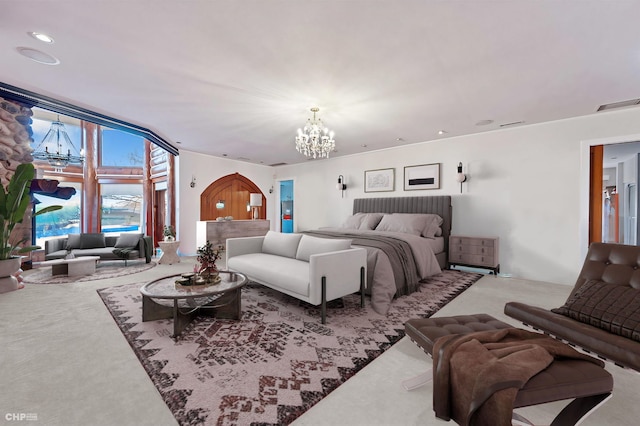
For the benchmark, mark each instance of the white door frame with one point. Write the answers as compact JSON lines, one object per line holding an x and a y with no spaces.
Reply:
{"x":585,"y":170}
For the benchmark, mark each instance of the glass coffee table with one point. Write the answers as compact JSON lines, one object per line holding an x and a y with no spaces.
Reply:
{"x":161,"y":300}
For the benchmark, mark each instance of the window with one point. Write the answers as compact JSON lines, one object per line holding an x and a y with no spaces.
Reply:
{"x":60,"y":222}
{"x":121,"y":206}
{"x":121,"y":149}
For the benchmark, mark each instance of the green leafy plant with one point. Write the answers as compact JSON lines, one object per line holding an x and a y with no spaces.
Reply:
{"x":14,"y":202}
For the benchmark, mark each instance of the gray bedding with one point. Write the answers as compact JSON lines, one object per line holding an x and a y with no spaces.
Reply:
{"x":396,"y":261}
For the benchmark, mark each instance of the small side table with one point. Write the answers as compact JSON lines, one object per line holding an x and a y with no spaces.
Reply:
{"x":169,"y":252}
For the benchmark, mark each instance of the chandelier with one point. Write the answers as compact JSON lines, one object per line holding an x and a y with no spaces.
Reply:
{"x":315,"y":140}
{"x":55,"y":142}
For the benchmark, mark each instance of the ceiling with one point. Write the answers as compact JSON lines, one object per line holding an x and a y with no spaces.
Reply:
{"x":237,"y":78}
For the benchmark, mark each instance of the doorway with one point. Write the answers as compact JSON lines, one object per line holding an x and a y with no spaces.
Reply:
{"x":286,"y":206}
{"x":159,"y":211}
{"x":614,"y":193}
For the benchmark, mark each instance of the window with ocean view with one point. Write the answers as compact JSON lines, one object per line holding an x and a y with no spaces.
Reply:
{"x":60,"y":222}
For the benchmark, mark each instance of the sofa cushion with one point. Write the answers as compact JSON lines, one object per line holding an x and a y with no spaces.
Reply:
{"x":313,"y":245}
{"x":104,"y":253}
{"x":610,"y":307}
{"x":281,"y":273}
{"x":73,"y":241}
{"x":128,"y":240}
{"x":281,"y":244}
{"x":90,"y":240}
{"x":58,"y":254}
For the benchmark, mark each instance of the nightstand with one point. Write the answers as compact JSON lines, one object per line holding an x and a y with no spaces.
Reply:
{"x":478,"y":252}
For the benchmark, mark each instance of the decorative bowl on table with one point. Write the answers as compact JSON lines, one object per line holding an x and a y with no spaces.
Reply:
{"x":183,"y":283}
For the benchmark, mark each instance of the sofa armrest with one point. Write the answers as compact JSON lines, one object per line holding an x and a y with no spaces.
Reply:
{"x":55,"y":244}
{"x":243,"y":245}
{"x":342,"y":271}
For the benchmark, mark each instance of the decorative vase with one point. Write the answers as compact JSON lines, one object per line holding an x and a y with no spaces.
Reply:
{"x":210,"y":275}
{"x":8,"y":270}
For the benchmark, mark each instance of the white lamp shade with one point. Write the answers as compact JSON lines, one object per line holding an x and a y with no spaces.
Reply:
{"x":255,"y":200}
{"x":461,"y":177}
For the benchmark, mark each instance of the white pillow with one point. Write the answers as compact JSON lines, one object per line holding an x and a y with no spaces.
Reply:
{"x":313,"y":245}
{"x":280,"y":244}
{"x":353,"y":221}
{"x":371,"y":220}
{"x":400,"y":222}
{"x":432,"y":229}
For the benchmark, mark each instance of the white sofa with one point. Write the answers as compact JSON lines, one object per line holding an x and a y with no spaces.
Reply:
{"x":312,"y":269}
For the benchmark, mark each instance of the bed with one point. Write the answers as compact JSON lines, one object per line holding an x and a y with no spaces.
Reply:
{"x":401,"y":249}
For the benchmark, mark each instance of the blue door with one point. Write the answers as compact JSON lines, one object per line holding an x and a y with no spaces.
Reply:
{"x":286,"y":206}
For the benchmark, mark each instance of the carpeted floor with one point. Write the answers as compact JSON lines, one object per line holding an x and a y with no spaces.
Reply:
{"x":104,"y":269}
{"x":278,"y":361}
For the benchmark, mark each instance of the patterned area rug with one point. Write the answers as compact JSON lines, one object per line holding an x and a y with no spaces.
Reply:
{"x":278,"y":361}
{"x":104,"y":270}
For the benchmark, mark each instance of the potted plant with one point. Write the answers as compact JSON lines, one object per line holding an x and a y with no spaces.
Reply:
{"x":14,"y":202}
{"x":207,"y":257}
{"x":169,"y":233}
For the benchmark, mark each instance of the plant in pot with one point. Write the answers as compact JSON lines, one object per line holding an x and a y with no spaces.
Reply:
{"x":14,"y":201}
{"x":207,"y":257}
{"x":169,"y":233}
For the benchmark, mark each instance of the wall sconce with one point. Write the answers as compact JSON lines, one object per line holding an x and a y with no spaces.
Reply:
{"x":255,"y":201}
{"x":460,"y":177}
{"x":341,"y":186}
{"x":220,"y":204}
{"x":193,"y":182}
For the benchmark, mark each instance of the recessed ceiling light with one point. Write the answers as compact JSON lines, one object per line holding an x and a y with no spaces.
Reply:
{"x":441,"y":132}
{"x":38,"y":56}
{"x":484,"y":122}
{"x":364,"y":145}
{"x":399,"y":139}
{"x":41,"y":36}
{"x":179,"y":143}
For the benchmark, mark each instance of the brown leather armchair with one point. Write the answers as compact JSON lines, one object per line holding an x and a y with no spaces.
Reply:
{"x":604,"y":307}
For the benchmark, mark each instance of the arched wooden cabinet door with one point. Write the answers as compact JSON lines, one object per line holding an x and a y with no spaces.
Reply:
{"x":233,"y":190}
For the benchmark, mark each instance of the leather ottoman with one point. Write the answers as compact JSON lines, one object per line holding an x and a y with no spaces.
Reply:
{"x":588,"y":384}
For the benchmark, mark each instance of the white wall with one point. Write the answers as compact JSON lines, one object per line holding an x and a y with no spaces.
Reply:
{"x":525,"y":186}
{"x":207,"y":169}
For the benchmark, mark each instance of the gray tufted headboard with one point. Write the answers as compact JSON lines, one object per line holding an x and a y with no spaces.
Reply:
{"x":439,"y":204}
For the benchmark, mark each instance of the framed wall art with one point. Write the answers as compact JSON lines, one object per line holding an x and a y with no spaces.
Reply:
{"x":379,"y":180}
{"x":424,"y":176}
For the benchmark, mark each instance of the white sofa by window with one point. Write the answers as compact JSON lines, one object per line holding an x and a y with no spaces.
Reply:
{"x":312,"y":269}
